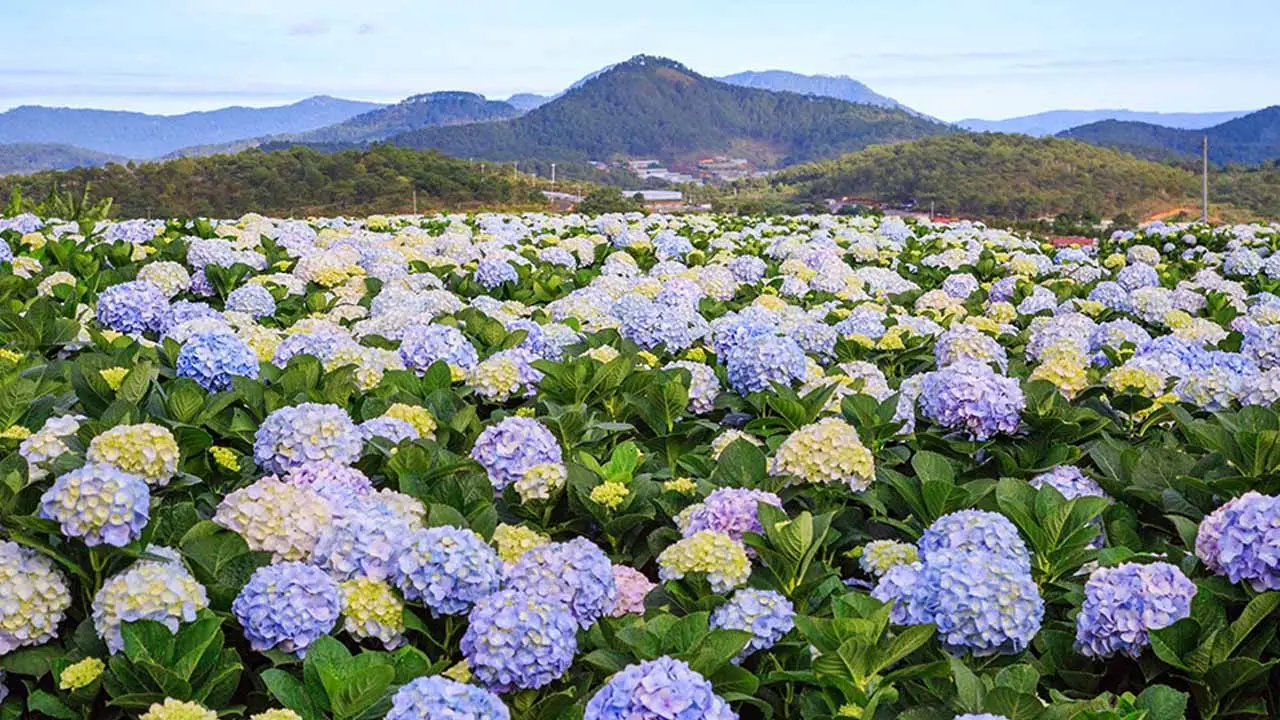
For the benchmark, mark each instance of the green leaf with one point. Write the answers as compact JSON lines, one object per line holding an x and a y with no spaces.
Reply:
{"x":1163,"y":703}
{"x":46,"y":704}
{"x":290,"y":692}
{"x":970,"y":692}
{"x":931,"y":466}
{"x":360,"y":689}
{"x":682,"y":636}
{"x":1013,"y":704}
{"x":908,"y":641}
{"x":716,"y":649}
{"x":1022,"y":678}
{"x":1257,"y":611}
{"x":34,"y":662}
{"x":1173,"y":643}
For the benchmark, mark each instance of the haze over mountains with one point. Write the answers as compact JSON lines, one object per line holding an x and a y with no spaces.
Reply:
{"x":1247,"y":140}
{"x":1053,"y":122}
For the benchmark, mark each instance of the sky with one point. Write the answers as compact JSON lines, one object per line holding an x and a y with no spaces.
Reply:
{"x":953,"y":59}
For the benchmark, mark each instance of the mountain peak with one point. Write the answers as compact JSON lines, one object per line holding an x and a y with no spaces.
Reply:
{"x":650,"y":61}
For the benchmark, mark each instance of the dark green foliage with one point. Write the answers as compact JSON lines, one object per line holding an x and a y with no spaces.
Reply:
{"x":1247,"y":140}
{"x":607,"y":200}
{"x":23,"y":158}
{"x":298,"y":181}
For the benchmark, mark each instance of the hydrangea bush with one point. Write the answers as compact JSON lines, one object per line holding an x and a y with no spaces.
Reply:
{"x":637,"y":467}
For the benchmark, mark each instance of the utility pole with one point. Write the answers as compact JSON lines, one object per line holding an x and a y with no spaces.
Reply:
{"x":1204,"y":178}
{"x":515,"y":166}
{"x":415,"y":201}
{"x":553,"y":176}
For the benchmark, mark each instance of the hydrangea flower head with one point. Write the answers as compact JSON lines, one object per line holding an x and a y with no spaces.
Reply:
{"x":33,"y":598}
{"x":661,"y":689}
{"x":276,"y":517}
{"x":1241,"y":540}
{"x":983,"y":604}
{"x":732,"y":511}
{"x":723,"y":560}
{"x":987,"y":533}
{"x":213,"y":358}
{"x":371,"y":610}
{"x":172,"y":709}
{"x":827,"y":451}
{"x":159,"y":590}
{"x":361,"y":545}
{"x":766,"y":614}
{"x":309,"y":432}
{"x":287,"y":606}
{"x":146,"y":450}
{"x":446,"y":568}
{"x":755,"y":365}
{"x":878,"y":556}
{"x":516,"y":641}
{"x":512,"y":446}
{"x":99,"y":504}
{"x":1123,"y":603}
{"x":970,"y":397}
{"x":576,"y":574}
{"x":633,"y":588}
{"x":133,"y":308}
{"x":440,"y":697}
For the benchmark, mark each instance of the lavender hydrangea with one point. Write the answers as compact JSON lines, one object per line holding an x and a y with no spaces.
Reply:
{"x":491,"y":273}
{"x":704,"y":386}
{"x":423,"y":345}
{"x":1070,"y":481}
{"x":361,"y":545}
{"x":509,"y":448}
{"x":753,"y":366}
{"x":133,"y":307}
{"x":445,"y":699}
{"x":337,"y":483}
{"x":1122,"y":604}
{"x":1241,"y":540}
{"x":732,"y":511}
{"x":516,"y":641}
{"x":576,"y":574}
{"x":674,"y":327}
{"x":766,"y":614}
{"x":287,"y":606}
{"x":389,"y":428}
{"x":661,"y":689}
{"x":898,"y":586}
{"x":212,"y":359}
{"x":979,"y":531}
{"x":970,"y":397}
{"x":98,"y":503}
{"x":984,"y":604}
{"x":446,"y":568}
{"x":253,"y":300}
{"x":291,"y":436}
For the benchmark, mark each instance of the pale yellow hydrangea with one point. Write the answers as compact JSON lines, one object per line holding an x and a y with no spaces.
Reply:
{"x":496,"y":379}
{"x":682,"y":485}
{"x":602,"y":354}
{"x":515,"y":540}
{"x":826,"y":451}
{"x":723,"y":560}
{"x":172,"y":709}
{"x":276,"y":517}
{"x":610,"y":494}
{"x":419,"y":417}
{"x":81,"y":674}
{"x":370,"y":609}
{"x":276,"y":714}
{"x":727,"y":438}
{"x":540,"y":481}
{"x":1128,"y":378}
{"x":145,"y":449}
{"x":225,"y":458}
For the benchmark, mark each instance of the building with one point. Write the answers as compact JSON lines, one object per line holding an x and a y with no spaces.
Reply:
{"x":658,"y":199}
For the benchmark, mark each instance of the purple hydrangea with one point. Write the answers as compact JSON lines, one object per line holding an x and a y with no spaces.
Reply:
{"x":1241,"y":540}
{"x":989,"y":534}
{"x":310,"y":432}
{"x":133,"y":307}
{"x":748,"y":268}
{"x":754,"y":365}
{"x":665,"y":688}
{"x":1121,"y":604}
{"x":423,"y":345}
{"x":766,"y":614}
{"x":576,"y":574}
{"x":322,"y":344}
{"x":970,"y":397}
{"x":390,"y":428}
{"x":361,"y":545}
{"x":213,"y":358}
{"x":339,"y":484}
{"x":516,"y":641}
{"x":732,"y":511}
{"x":98,"y":503}
{"x":440,"y":697}
{"x":185,"y":310}
{"x":510,"y":447}
{"x":1070,"y":481}
{"x":491,"y":273}
{"x":287,"y":606}
{"x":446,"y":568}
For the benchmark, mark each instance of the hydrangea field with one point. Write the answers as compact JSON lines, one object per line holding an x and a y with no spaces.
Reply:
{"x":640,"y":467}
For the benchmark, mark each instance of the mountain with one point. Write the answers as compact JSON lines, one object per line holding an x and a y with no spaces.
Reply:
{"x":654,"y":107}
{"x":1248,"y":140}
{"x":996,"y":175}
{"x":293,"y":183}
{"x":23,"y":158}
{"x":840,"y":87}
{"x":524,"y":102}
{"x":138,"y":135}
{"x":1055,"y":121}
{"x":418,"y":111}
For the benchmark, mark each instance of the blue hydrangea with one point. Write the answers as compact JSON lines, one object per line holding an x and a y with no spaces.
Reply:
{"x":213,"y":358}
{"x":287,"y":606}
{"x":1122,"y":604}
{"x":675,"y":327}
{"x":965,"y":342}
{"x":98,"y":503}
{"x":661,"y":689}
{"x":254,"y":300}
{"x":510,"y":447}
{"x":1116,"y":333}
{"x":446,"y":568}
{"x":1214,"y":379}
{"x":970,"y":397}
{"x":815,"y":338}
{"x":361,"y":545}
{"x":423,"y":345}
{"x":185,"y":310}
{"x":322,"y":345}
{"x":516,"y":641}
{"x":984,"y":604}
{"x":1112,"y":295}
{"x":1261,"y":344}
{"x":732,"y":511}
{"x":576,"y":574}
{"x":753,"y":366}
{"x":1241,"y":540}
{"x":339,"y":484}
{"x":898,"y":586}
{"x":1070,"y":481}
{"x":440,"y":698}
{"x":491,"y":273}
{"x":742,"y":328}
{"x":960,"y":285}
{"x":1002,"y":290}
{"x":133,"y":307}
{"x":1137,"y":275}
{"x":390,"y":428}
{"x":748,"y":268}
{"x":536,"y":339}
{"x":766,"y":614}
{"x":979,"y":531}
{"x":310,"y":432}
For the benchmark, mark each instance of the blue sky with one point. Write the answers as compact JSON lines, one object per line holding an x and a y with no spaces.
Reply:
{"x":949,"y":58}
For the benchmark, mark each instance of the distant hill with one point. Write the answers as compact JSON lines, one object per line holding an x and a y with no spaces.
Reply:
{"x":137,"y":135}
{"x":1009,"y":176}
{"x":524,"y":102}
{"x":23,"y":158}
{"x":1248,"y":140}
{"x":654,"y":107}
{"x":293,"y":183}
{"x":840,"y":87}
{"x":1055,"y":121}
{"x":418,"y":111}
